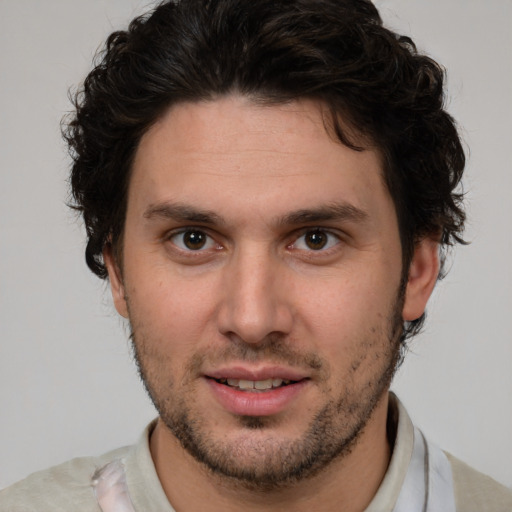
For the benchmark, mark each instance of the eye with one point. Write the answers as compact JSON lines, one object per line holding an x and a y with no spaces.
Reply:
{"x":192,"y":240}
{"x":316,"y":240}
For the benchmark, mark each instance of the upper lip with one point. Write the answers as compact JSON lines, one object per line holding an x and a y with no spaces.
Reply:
{"x":242,"y":372}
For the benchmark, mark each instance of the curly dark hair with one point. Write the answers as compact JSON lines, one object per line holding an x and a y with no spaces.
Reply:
{"x":334,"y":51}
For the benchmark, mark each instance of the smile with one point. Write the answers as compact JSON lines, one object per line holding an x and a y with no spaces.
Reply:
{"x":255,"y":385}
{"x":258,"y":397}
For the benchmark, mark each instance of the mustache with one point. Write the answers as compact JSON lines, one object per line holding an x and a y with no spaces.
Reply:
{"x":272,"y":350}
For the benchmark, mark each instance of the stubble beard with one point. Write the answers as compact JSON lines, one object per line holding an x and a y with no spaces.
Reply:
{"x":269,"y":463}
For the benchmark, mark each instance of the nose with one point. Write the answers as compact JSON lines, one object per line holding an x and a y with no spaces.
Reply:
{"x":256,"y":298}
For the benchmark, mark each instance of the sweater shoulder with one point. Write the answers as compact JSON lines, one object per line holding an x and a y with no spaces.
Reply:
{"x":61,"y":488}
{"x":476,"y":492}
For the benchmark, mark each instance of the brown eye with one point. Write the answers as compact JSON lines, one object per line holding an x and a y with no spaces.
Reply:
{"x":316,"y":240}
{"x":192,"y":240}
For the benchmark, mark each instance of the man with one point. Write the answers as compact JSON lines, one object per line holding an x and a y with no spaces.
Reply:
{"x":267,"y":186}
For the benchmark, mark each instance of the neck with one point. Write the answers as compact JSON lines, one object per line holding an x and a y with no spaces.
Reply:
{"x":347,"y":483}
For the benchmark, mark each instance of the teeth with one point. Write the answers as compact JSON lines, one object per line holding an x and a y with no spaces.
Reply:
{"x":263,"y":384}
{"x":260,"y":385}
{"x":246,"y":384}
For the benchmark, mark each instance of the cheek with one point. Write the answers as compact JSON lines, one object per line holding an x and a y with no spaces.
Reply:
{"x":170,"y":310}
{"x":347,"y":319}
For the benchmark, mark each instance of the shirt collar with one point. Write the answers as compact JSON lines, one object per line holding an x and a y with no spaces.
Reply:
{"x":418,"y":475}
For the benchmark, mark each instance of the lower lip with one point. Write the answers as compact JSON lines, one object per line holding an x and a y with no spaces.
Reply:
{"x":255,"y":403}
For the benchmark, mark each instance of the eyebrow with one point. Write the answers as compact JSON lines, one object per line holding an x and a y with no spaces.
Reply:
{"x":331,"y":212}
{"x":180,"y":212}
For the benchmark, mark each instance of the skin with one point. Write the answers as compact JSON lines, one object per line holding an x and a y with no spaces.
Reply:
{"x":272,"y":289}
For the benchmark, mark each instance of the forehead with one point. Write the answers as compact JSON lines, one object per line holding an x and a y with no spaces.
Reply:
{"x":233,"y":151}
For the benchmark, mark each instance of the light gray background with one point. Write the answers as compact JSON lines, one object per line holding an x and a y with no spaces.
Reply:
{"x":67,"y":384}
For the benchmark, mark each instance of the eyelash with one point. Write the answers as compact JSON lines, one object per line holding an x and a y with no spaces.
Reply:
{"x":331,"y":241}
{"x":209,"y":241}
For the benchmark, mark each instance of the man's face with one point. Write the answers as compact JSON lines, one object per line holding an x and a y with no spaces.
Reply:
{"x":261,"y":275}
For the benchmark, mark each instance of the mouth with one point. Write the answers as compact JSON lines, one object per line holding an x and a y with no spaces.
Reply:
{"x":262,"y":397}
{"x":257,"y":391}
{"x":255,"y":386}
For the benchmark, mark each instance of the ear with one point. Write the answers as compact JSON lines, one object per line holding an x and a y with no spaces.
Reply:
{"x":423,"y":273}
{"x":116,"y":280}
